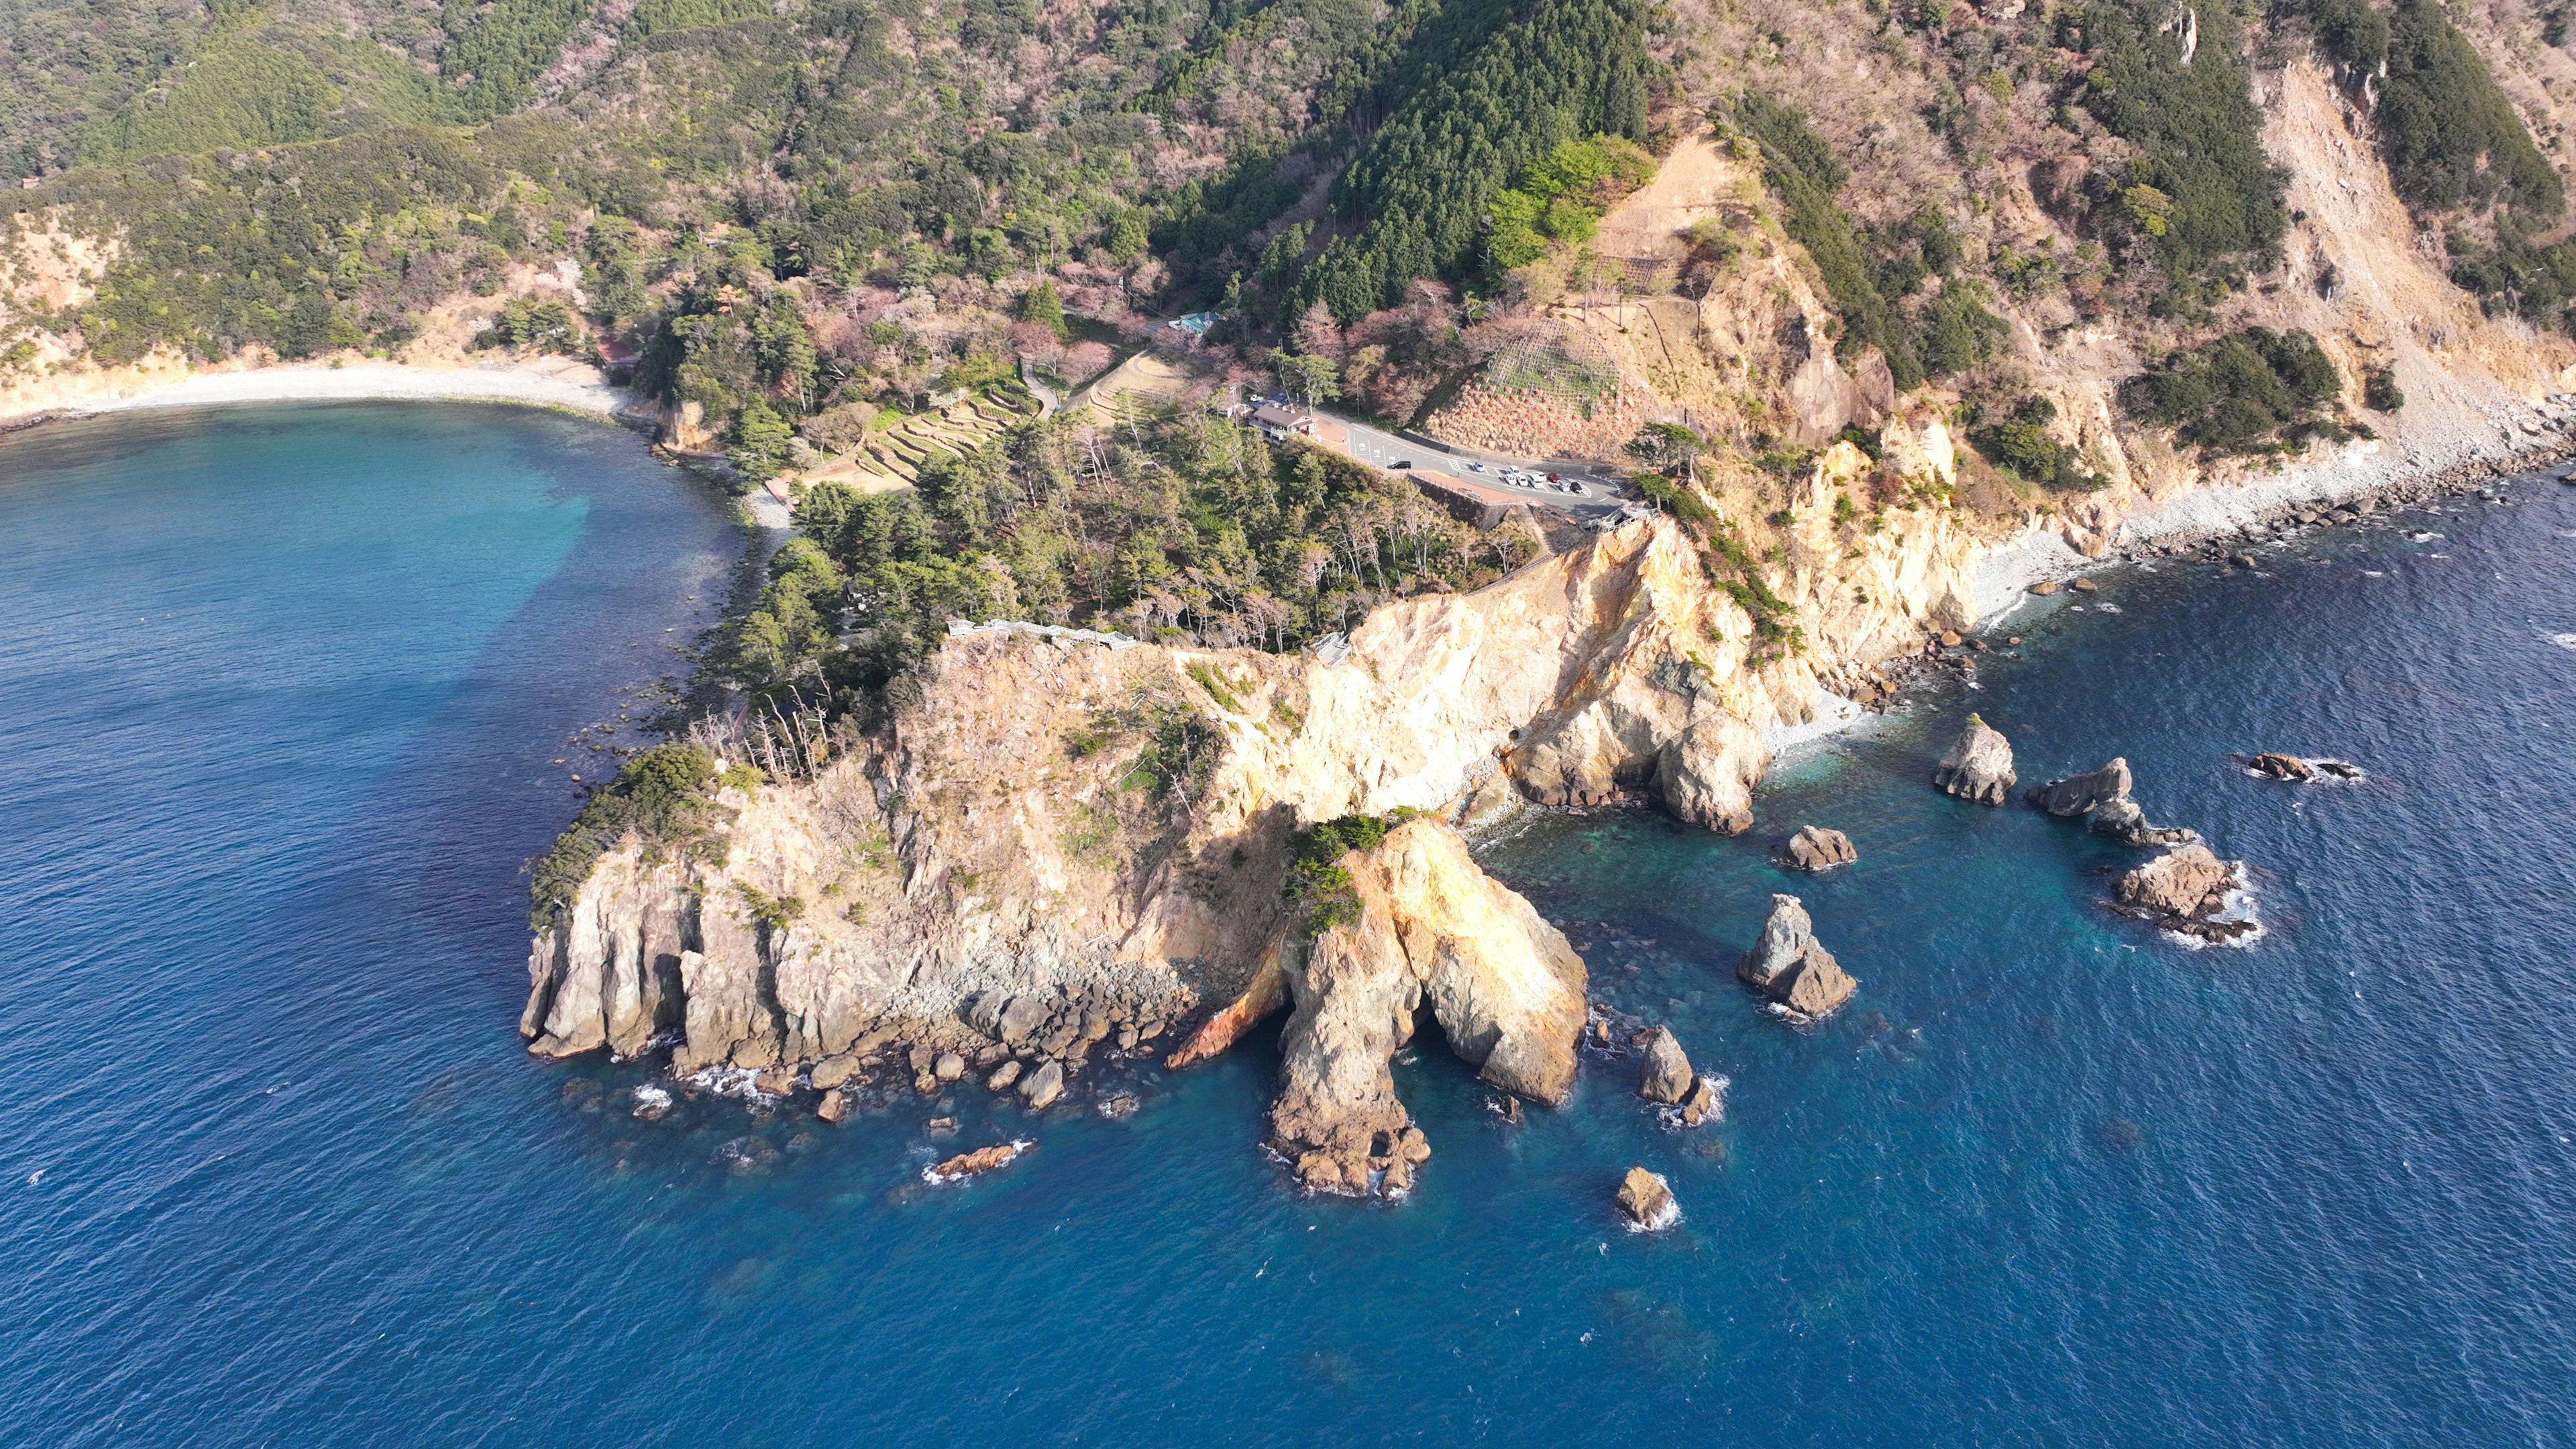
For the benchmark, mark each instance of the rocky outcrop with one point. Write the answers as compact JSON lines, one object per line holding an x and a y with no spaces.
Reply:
{"x":1979,"y":765}
{"x":1666,"y":1073}
{"x":1505,"y":986}
{"x":1704,"y":1102}
{"x":2079,"y":794}
{"x":2185,"y":890}
{"x":976,"y":1163}
{"x":2104,"y":795}
{"x":1815,"y":848}
{"x":1790,"y":967}
{"x":2303,"y":771}
{"x":1706,"y":774}
{"x":1646,"y":1201}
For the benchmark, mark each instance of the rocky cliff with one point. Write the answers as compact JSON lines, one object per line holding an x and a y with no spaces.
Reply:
{"x":1064,"y":841}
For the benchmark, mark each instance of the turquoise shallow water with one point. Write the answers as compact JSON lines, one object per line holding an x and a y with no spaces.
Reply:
{"x":279,"y":690}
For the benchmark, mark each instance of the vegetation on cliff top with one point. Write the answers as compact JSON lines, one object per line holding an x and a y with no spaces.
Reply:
{"x":660,"y":799}
{"x":1319,"y":885}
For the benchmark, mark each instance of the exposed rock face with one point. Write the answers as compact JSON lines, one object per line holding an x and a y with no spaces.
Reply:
{"x":1790,"y":967}
{"x":1979,"y":765}
{"x":2104,"y":794}
{"x":973,"y":879}
{"x":1646,"y":1200}
{"x":1505,"y":986}
{"x":1666,"y":1076}
{"x":1815,"y":848}
{"x":2184,"y":890}
{"x":1707,"y":773}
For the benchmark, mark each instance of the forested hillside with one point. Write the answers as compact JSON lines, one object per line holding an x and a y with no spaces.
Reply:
{"x":797,"y":225}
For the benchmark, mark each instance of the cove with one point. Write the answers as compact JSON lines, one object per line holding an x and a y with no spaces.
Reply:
{"x":280,"y":693}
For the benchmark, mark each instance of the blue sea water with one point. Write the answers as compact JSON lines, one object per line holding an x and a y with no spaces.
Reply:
{"x":281,"y":693}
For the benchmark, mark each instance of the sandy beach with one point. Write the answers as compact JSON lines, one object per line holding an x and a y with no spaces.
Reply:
{"x":555,"y":382}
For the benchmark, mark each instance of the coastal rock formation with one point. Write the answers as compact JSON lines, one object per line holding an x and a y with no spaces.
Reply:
{"x":1004,"y":863}
{"x":1789,"y":966}
{"x":1666,"y":1074}
{"x":1815,"y":848}
{"x":2304,"y":771}
{"x":2104,"y":794}
{"x":1506,"y":988}
{"x":1646,"y":1200}
{"x":976,"y":1163}
{"x":2185,"y":890}
{"x":1979,"y":765}
{"x":2078,"y":794}
{"x":1703,"y":1103}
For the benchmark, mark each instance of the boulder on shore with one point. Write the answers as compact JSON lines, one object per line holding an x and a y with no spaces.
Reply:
{"x":1647,"y":1200}
{"x":1666,"y":1077}
{"x":1979,"y":766}
{"x":1043,"y":1086}
{"x":1789,"y":966}
{"x":1815,"y":848}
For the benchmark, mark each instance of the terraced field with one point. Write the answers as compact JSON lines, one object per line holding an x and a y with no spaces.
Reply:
{"x":893,"y":459}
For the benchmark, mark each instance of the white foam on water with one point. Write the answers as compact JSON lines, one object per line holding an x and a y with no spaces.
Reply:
{"x":2563,"y":641}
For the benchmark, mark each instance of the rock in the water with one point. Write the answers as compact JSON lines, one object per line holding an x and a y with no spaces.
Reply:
{"x":1647,"y":1200}
{"x":977,"y":1162}
{"x":2104,"y":794}
{"x":1791,"y":967}
{"x":1816,"y":848}
{"x":1667,"y":1074}
{"x":1979,"y":766}
{"x":2044,"y":587}
{"x":652,"y":1103}
{"x":1043,"y":1086}
{"x":1708,"y":771}
{"x":2085,"y":586}
{"x":2078,"y":794}
{"x":1504,"y":984}
{"x":2283,"y":767}
{"x":949,"y":1067}
{"x":836,"y":1105}
{"x":1704,"y":1104}
{"x":1003,"y":1076}
{"x":2184,"y":890}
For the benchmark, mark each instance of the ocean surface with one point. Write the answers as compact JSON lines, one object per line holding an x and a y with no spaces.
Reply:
{"x":282,"y":697}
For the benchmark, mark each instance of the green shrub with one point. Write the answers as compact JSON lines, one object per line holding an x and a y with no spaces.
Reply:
{"x":2244,"y":392}
{"x":659,"y":799}
{"x":1319,"y":885}
{"x":2203,"y":193}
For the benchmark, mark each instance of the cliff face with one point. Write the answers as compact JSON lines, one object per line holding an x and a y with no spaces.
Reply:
{"x":1104,"y":832}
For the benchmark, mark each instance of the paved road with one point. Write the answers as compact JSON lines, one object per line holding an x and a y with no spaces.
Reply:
{"x":1382,"y":449}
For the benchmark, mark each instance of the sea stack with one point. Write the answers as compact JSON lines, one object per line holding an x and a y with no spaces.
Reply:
{"x":2104,"y":795}
{"x":1789,"y":966}
{"x":1815,"y":848}
{"x":1979,"y":766}
{"x":1666,"y":1077}
{"x":1647,"y":1200}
